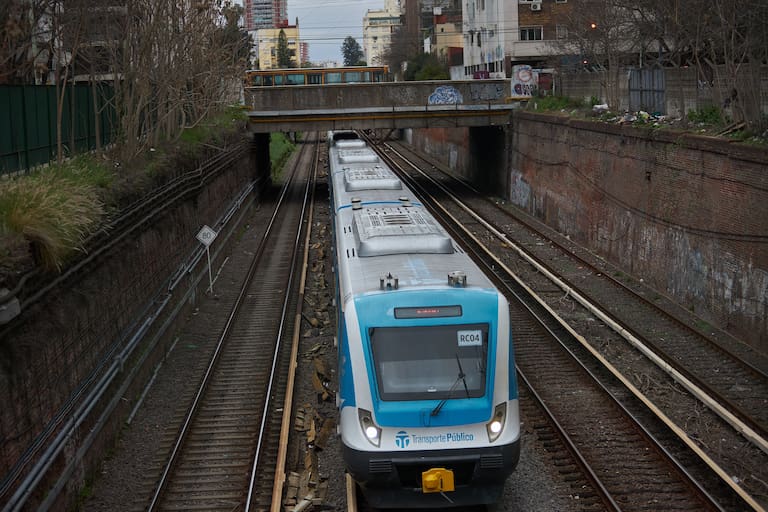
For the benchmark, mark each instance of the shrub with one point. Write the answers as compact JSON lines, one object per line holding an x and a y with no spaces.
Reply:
{"x":706,"y":115}
{"x":551,"y":103}
{"x":280,"y":148}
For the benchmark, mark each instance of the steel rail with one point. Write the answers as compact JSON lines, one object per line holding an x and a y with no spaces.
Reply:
{"x":286,"y":300}
{"x":194,"y":406}
{"x":732,"y":414}
{"x":679,"y":432}
{"x":111,"y":365}
{"x":742,"y":360}
{"x":277,"y":488}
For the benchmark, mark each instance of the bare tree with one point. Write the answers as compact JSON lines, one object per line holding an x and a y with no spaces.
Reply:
{"x":172,"y":63}
{"x":604,"y":34}
{"x":25,"y":34}
{"x":727,"y":41}
{"x":402,"y":48}
{"x":174,"y":66}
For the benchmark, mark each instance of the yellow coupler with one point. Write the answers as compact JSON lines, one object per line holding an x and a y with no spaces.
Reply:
{"x":437,"y":480}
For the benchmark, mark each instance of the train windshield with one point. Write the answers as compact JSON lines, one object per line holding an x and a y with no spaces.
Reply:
{"x":430,"y":362}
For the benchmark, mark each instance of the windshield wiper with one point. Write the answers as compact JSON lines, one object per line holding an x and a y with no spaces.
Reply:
{"x":461,"y":377}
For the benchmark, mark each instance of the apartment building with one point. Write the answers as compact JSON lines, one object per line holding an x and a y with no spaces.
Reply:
{"x":490,"y":28}
{"x":499,"y":34}
{"x":441,"y":25}
{"x":378,"y":27}
{"x":267,"y":41}
{"x":265,"y":14}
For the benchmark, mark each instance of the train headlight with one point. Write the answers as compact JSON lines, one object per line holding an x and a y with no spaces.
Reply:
{"x":370,"y":429}
{"x":496,"y":425}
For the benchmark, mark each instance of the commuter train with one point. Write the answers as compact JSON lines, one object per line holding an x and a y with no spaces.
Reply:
{"x":316,"y":76}
{"x":428,"y":403}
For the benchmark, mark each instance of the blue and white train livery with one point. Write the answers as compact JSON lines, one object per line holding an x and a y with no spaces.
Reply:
{"x":428,"y":404}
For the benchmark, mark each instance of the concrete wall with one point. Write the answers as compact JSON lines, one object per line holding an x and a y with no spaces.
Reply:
{"x":688,"y":214}
{"x":685,"y":89}
{"x":385,"y":94}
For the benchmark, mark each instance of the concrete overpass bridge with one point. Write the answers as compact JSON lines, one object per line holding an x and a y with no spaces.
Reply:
{"x":385,"y":105}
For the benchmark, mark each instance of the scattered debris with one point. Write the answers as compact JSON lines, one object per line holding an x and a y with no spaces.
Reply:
{"x":321,"y":381}
{"x":305,"y":490}
{"x":328,"y":428}
{"x":731,"y":128}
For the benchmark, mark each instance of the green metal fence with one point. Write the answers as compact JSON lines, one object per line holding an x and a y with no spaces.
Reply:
{"x":28,"y":123}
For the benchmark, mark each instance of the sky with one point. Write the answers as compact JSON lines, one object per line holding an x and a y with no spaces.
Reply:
{"x":325,"y":23}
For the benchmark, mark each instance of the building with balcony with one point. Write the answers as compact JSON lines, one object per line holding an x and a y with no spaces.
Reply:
{"x":378,"y":27}
{"x":490,"y":29}
{"x":265,"y":14}
{"x":499,"y":34}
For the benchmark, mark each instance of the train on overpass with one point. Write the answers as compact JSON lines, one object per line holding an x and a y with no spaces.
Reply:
{"x":316,"y":76}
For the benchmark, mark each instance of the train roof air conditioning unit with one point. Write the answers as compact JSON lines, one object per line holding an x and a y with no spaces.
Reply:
{"x":536,"y":6}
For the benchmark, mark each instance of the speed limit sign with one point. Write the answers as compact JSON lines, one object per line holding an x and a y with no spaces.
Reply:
{"x":206,"y":236}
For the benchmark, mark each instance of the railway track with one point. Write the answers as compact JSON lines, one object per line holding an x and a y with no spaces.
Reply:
{"x":225,"y":453}
{"x":647,"y":444}
{"x":735,"y":378}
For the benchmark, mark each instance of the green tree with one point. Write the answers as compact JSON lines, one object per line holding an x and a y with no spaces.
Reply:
{"x":283,"y":52}
{"x":352,"y":53}
{"x":426,"y":66}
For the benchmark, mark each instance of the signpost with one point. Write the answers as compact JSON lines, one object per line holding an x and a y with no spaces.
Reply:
{"x":206,"y":236}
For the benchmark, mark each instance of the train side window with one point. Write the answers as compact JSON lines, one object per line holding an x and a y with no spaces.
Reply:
{"x":295,"y":79}
{"x":333,"y":78}
{"x":267,"y":80}
{"x":351,"y":77}
{"x":279,"y":79}
{"x":314,"y":78}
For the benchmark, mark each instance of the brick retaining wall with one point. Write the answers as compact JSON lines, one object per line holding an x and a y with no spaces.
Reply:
{"x":688,"y":214}
{"x":54,"y":346}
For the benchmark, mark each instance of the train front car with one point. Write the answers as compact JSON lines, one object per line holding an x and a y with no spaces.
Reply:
{"x":427,"y":390}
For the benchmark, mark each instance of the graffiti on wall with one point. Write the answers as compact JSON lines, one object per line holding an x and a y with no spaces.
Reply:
{"x":486,"y":92}
{"x":445,"y":95}
{"x":524,"y":81}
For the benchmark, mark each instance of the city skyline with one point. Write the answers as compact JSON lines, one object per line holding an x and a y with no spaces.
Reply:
{"x":325,"y":25}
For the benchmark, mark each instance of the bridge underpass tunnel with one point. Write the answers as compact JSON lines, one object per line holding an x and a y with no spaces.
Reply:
{"x":487,"y":167}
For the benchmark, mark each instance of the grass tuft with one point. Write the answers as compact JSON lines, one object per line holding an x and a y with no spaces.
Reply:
{"x":45,"y":216}
{"x":51,"y":211}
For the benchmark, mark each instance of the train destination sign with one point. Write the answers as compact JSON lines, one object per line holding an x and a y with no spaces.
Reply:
{"x":428,"y":312}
